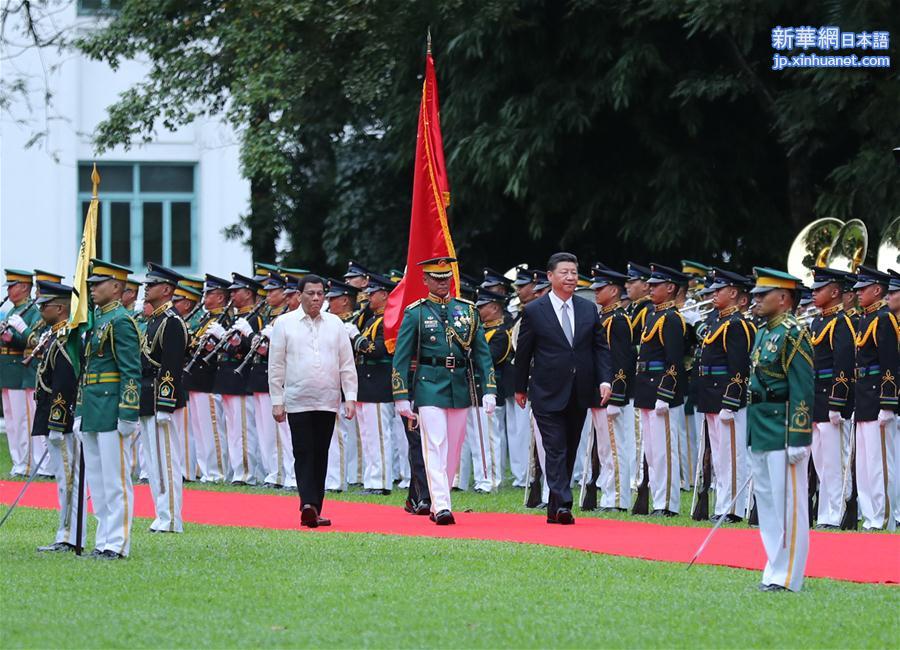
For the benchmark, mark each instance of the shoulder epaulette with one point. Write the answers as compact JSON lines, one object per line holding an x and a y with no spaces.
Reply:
{"x":415,"y":304}
{"x":464,"y":301}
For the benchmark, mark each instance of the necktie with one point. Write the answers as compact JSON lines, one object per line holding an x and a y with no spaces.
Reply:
{"x":566,"y":323}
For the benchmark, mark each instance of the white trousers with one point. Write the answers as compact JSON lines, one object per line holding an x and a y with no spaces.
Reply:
{"x":207,"y":420}
{"x":107,"y":465}
{"x":615,"y":447}
{"x":336,"y":472}
{"x":518,"y":440}
{"x":353,"y":451}
{"x":64,"y":462}
{"x":728,"y":447}
{"x":783,"y":516}
{"x":443,"y":431}
{"x":24,"y":449}
{"x":186,"y":445}
{"x":633,"y":429}
{"x":159,"y":442}
{"x":243,"y":446}
{"x":488,"y":442}
{"x":687,"y":450}
{"x":275,"y":451}
{"x":376,"y":422}
{"x":537,"y":443}
{"x":138,"y":465}
{"x":876,"y":473}
{"x":660,"y":443}
{"x":401,"y":452}
{"x":582,"y":461}
{"x":827,"y":448}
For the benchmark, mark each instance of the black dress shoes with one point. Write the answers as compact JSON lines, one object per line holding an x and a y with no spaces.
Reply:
{"x":443,"y":518}
{"x":321,"y":521}
{"x":375,"y":492}
{"x":58,"y":547}
{"x":110,"y":555}
{"x":563,"y":516}
{"x":424,"y":508}
{"x":773,"y":587}
{"x":663,"y":513}
{"x":309,"y":516}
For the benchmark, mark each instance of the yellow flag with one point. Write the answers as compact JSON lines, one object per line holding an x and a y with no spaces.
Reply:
{"x":80,"y":312}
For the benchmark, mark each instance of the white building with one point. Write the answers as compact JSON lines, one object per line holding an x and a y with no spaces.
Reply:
{"x":167,"y":201}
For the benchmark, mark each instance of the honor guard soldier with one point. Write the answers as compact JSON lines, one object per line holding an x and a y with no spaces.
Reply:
{"x":186,"y":301}
{"x":16,"y":381}
{"x":444,"y":335}
{"x":108,"y":409}
{"x":834,"y":356}
{"x":638,"y":291}
{"x":345,"y":454}
{"x":876,"y":401}
{"x":275,"y":448}
{"x":722,"y":377}
{"x":55,"y":412}
{"x":482,"y":448}
{"x":162,"y":397}
{"x":205,"y":414}
{"x":779,"y":429}
{"x":518,"y":421}
{"x":614,"y":438}
{"x":232,"y":348}
{"x":357,"y":276}
{"x":375,"y":404}
{"x":659,"y":388}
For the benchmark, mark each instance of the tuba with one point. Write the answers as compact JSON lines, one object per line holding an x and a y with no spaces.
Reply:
{"x":812,"y":247}
{"x":889,"y":248}
{"x":848,"y":250}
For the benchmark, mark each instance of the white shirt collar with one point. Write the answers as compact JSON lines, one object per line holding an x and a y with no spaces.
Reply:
{"x":303,"y":315}
{"x":559,"y":302}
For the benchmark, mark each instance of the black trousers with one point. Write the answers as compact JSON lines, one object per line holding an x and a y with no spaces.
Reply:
{"x":311,"y":433}
{"x":418,"y":481}
{"x":560,"y":433}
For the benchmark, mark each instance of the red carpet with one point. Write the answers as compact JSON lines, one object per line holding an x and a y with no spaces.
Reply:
{"x":855,"y":557}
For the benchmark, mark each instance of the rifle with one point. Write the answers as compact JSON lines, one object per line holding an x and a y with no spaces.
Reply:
{"x":223,"y":342}
{"x":201,"y":344}
{"x":4,"y":324}
{"x":41,"y":347}
{"x":642,"y":499}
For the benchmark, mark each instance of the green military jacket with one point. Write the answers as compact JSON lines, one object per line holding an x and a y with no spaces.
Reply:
{"x":440,"y":334}
{"x":110,"y":387}
{"x":13,"y":374}
{"x":781,"y":386}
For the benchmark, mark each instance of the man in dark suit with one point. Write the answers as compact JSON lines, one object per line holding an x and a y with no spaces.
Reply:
{"x":562,"y":359}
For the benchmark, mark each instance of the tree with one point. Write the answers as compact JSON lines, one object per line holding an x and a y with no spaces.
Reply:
{"x":644,"y":129}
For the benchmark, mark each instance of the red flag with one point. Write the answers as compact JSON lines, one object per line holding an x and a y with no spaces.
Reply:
{"x":429,"y":232}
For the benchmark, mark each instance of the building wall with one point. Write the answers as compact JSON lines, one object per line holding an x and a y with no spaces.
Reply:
{"x":40,"y":221}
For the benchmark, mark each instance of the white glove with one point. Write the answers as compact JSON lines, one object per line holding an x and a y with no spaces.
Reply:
{"x":612,"y":410}
{"x":15,"y":321}
{"x":215,"y":330}
{"x":242,"y":326}
{"x":163,"y":417}
{"x":726,"y":415}
{"x":127,"y":427}
{"x":55,"y":437}
{"x":404,"y":408}
{"x":352,"y":330}
{"x":796,"y":454}
{"x":76,"y":425}
{"x":884,"y":416}
{"x":267,"y":331}
{"x":489,"y":402}
{"x":835,"y":418}
{"x":661,"y":407}
{"x":691,"y":316}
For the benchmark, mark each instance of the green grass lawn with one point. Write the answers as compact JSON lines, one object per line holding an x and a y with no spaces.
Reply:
{"x":236,"y":587}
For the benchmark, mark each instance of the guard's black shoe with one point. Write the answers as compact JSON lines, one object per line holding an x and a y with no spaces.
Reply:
{"x":110,"y":555}
{"x":663,"y":513}
{"x":612,"y":509}
{"x":763,"y":587}
{"x":58,"y":547}
{"x":827,"y":527}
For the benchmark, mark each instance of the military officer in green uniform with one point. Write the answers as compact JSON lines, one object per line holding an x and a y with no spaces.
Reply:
{"x":779,"y":429}
{"x":16,"y":381}
{"x":445,"y":336}
{"x":108,"y":407}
